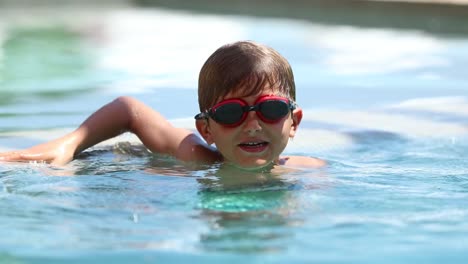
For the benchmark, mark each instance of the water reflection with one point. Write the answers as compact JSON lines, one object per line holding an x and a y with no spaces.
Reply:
{"x":247,"y":232}
{"x":246,"y":211}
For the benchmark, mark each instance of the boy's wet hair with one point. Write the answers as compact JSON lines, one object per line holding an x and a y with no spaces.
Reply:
{"x":245,"y":64}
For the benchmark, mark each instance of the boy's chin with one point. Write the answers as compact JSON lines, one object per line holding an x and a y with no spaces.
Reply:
{"x":255,"y":166}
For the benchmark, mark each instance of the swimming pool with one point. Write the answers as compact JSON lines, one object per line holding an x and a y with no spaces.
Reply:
{"x":387,"y":108}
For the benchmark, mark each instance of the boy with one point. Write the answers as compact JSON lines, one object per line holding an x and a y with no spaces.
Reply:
{"x":246,"y":96}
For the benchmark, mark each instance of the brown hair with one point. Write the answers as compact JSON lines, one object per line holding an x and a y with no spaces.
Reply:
{"x":244,"y":64}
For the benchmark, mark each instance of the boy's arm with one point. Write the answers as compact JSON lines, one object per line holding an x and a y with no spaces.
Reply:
{"x":121,"y":115}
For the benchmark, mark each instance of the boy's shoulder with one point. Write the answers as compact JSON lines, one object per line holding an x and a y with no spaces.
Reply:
{"x":302,"y":161}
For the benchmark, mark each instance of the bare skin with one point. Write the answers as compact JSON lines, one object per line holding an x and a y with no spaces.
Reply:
{"x":126,"y":114}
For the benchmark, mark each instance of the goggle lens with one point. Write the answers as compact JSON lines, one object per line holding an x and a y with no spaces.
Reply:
{"x":228,"y":113}
{"x":273,"y":110}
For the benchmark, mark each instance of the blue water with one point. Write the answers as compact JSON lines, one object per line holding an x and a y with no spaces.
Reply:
{"x":386,"y":108}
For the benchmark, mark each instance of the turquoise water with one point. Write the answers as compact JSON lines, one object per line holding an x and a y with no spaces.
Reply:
{"x":386,"y":108}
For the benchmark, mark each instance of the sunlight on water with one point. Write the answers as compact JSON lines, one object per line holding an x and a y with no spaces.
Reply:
{"x":128,"y":31}
{"x":457,"y":105}
{"x":397,"y":123}
{"x":396,"y":51}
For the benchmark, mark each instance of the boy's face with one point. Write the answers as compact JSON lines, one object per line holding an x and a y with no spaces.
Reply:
{"x":253,"y":143}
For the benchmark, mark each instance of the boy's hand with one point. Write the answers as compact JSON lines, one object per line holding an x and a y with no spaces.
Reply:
{"x":57,"y":152}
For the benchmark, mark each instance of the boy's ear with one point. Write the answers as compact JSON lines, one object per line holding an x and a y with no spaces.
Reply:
{"x":203,"y":128}
{"x":296,"y":118}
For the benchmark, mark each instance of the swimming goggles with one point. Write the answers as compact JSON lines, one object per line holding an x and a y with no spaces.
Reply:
{"x":232,"y":112}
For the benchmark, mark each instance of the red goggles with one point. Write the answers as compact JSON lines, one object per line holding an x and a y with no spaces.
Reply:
{"x":232,"y":112}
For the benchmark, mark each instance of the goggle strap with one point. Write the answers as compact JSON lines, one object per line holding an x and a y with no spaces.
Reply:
{"x":202,"y":115}
{"x":292,"y":105}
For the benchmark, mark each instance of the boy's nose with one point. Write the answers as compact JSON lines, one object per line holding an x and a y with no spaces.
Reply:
{"x":251,"y":123}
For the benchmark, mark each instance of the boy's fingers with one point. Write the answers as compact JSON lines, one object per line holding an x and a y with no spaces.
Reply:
{"x":18,"y":156}
{"x":9,"y":155}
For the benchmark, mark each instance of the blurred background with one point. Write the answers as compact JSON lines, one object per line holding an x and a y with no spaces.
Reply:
{"x":443,"y":16}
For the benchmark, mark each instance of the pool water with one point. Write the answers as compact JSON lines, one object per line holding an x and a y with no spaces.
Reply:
{"x":386,"y":108}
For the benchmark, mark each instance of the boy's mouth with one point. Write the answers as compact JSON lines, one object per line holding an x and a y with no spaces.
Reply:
{"x":254,"y":146}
